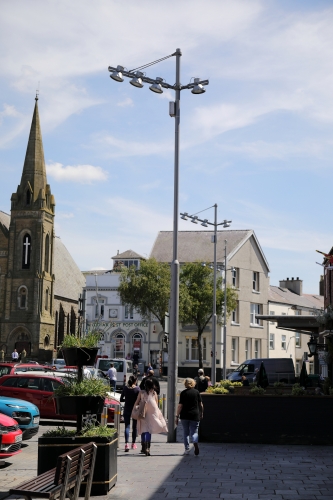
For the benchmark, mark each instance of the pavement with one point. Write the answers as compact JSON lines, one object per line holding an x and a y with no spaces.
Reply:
{"x":220,"y":471}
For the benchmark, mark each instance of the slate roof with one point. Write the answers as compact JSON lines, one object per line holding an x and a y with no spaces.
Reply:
{"x":69,"y":280}
{"x":128,"y":254}
{"x":5,"y":219}
{"x":197,"y":246}
{"x":286,"y":296}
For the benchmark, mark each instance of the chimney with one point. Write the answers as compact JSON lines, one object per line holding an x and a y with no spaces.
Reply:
{"x":294,"y":285}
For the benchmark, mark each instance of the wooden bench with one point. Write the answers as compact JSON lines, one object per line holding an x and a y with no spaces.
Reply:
{"x":71,"y":469}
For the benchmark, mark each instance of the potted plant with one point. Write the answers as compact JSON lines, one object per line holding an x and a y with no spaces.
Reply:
{"x":80,"y":351}
{"x":55,"y":442}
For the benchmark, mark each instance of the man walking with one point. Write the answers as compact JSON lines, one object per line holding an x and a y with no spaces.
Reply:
{"x":201,"y":381}
{"x":112,"y":374}
{"x":15,"y":355}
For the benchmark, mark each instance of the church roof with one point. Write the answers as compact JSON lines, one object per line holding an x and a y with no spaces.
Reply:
{"x":128,"y":254}
{"x":196,"y":245}
{"x":4,"y":219}
{"x":69,"y":280}
{"x":34,"y":171}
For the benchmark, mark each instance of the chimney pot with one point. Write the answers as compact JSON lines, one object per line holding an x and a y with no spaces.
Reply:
{"x":297,"y":278}
{"x":287,"y":279}
{"x":292,"y":279}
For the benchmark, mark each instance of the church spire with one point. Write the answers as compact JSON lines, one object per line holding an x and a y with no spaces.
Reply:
{"x":34,"y":172}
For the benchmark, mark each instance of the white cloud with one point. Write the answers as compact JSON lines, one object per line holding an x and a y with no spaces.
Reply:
{"x":84,"y":174}
{"x":114,"y":147}
{"x":64,"y":215}
{"x":126,"y":102}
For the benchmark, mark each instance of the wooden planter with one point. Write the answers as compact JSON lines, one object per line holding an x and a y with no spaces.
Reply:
{"x":267,"y":419}
{"x":79,"y":356}
{"x":105,"y":473}
{"x":79,"y":405}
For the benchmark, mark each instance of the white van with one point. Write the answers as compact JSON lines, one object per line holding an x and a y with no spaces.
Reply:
{"x":123,"y":366}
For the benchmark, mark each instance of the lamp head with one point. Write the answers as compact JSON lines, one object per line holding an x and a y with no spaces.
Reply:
{"x":312,"y":345}
{"x":137,"y":80}
{"x":184,"y":216}
{"x":204,"y":224}
{"x":118,"y":75}
{"x":157,"y":87}
{"x":194,"y":219}
{"x":198,"y":88}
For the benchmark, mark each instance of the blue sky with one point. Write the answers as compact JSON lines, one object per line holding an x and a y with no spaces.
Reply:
{"x":259,"y":142}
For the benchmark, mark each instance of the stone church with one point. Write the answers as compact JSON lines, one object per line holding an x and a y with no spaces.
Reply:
{"x":40,"y":284}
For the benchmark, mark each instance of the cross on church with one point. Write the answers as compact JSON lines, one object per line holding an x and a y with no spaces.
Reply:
{"x":26,"y":244}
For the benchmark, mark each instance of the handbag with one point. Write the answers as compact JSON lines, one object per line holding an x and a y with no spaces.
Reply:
{"x":139,"y":411}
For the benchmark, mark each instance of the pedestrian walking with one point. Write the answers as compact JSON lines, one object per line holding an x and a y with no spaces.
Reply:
{"x":23,"y":355}
{"x":150,"y":375}
{"x":201,"y":382}
{"x":129,"y":395}
{"x":190,"y":411}
{"x":15,"y":355}
{"x":154,"y":422}
{"x":112,"y":374}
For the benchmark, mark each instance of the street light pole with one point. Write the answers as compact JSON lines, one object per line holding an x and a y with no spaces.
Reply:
{"x":174,"y":306}
{"x":214,"y":318}
{"x":225,"y":314}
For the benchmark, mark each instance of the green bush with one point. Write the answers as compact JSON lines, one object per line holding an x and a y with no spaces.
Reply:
{"x":87,"y":387}
{"x":297,"y":390}
{"x":257,"y":391}
{"x":228,"y":383}
{"x":217,"y":390}
{"x":89,"y":431}
{"x":89,"y":341}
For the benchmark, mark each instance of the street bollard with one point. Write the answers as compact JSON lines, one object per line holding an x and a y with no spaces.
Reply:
{"x":117,"y":421}
{"x":163,"y":404}
{"x":104,"y":416}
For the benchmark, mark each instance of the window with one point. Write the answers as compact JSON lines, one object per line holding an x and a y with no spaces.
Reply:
{"x":311,"y":368}
{"x":298,"y":366}
{"x":283,"y":341}
{"x":47,"y":253}
{"x":271,"y":341}
{"x":298,"y":339}
{"x":22,"y":297}
{"x":255,"y":309}
{"x":99,"y":308}
{"x":272,"y":313}
{"x":120,"y":346}
{"x":234,"y":315}
{"x":129,"y":263}
{"x":234,"y":276}
{"x":192,"y":348}
{"x":247,"y":342}
{"x":26,"y":251}
{"x":234,"y":350}
{"x":255,"y":282}
{"x":257,"y":349}
{"x":128,"y":312}
{"x":137,"y":344}
{"x":28,"y":197}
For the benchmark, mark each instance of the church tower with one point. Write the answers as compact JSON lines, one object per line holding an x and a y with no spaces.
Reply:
{"x":27,"y":318}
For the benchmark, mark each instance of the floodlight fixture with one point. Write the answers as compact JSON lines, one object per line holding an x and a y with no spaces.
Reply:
{"x":204,"y":223}
{"x":184,"y":216}
{"x":195,"y":219}
{"x":118,"y":74}
{"x":157,"y":87}
{"x":137,"y":80}
{"x":198,"y":87}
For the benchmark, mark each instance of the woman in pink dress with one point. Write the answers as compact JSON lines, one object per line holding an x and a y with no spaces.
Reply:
{"x":153,"y":423}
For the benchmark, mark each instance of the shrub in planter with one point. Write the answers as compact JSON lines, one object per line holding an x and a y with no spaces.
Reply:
{"x":257,"y":391}
{"x":217,"y":390}
{"x":297,"y":390}
{"x":278,"y":386}
{"x":79,"y":351}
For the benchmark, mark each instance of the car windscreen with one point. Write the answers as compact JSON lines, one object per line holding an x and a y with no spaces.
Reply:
{"x":119,"y":365}
{"x":104,"y":364}
{"x":129,"y":366}
{"x":4,"y":370}
{"x":245,"y":368}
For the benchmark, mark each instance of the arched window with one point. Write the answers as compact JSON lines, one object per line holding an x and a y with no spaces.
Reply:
{"x":26,"y":251}
{"x":28,"y":197}
{"x":22,"y":297}
{"x":120,"y":346}
{"x":47,"y":253}
{"x":137,"y":344}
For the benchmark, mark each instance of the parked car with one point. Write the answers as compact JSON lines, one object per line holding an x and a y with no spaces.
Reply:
{"x":38,"y":388}
{"x":26,"y":414}
{"x":10,"y":437}
{"x":10,"y":368}
{"x":58,"y":363}
{"x":277,"y":369}
{"x":123,"y":366}
{"x":95,"y":373}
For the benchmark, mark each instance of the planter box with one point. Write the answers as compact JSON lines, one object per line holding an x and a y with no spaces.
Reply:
{"x":79,"y":405}
{"x":267,"y":419}
{"x":105,"y":473}
{"x":79,"y":356}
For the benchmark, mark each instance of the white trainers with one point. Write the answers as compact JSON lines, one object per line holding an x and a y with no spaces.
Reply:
{"x":187,"y":451}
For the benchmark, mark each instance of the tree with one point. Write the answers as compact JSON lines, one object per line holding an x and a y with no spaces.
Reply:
{"x":196,"y":287}
{"x":147,"y":289}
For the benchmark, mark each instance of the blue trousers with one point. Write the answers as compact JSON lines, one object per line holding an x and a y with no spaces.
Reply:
{"x":190,"y":429}
{"x":113,"y":384}
{"x":145,"y":436}
{"x":127,"y":419}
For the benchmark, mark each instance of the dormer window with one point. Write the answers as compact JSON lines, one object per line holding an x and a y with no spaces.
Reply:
{"x":26,"y":251}
{"x":28,"y":197}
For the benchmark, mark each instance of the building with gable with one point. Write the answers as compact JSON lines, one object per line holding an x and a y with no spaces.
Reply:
{"x":40,"y":283}
{"x":247,"y":272}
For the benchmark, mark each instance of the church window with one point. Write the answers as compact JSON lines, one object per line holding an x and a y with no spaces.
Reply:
{"x":47,"y":299}
{"x":28,"y":198}
{"x":26,"y":251}
{"x":47,"y":253}
{"x":22,"y":297}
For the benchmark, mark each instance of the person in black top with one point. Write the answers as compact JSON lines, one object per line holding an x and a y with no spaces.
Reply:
{"x":201,"y":383}
{"x":155,"y":382}
{"x":245,"y":382}
{"x":129,"y":394}
{"x":190,"y":410}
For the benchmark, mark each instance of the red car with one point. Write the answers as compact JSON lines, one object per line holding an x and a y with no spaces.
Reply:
{"x":10,"y":437}
{"x":38,"y":388}
{"x":11,"y":368}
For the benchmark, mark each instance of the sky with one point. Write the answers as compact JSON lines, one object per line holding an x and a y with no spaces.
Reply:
{"x":258,"y":142}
